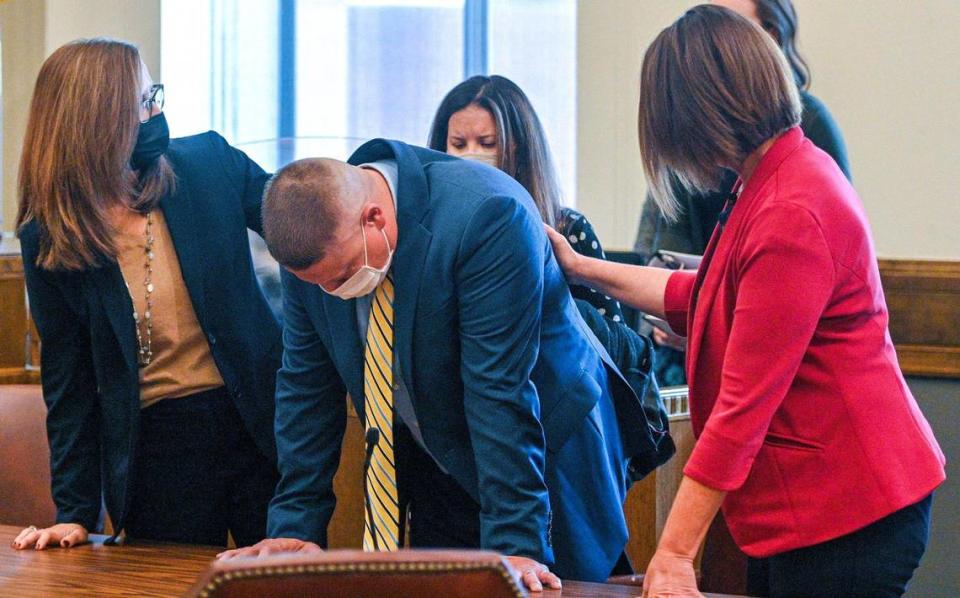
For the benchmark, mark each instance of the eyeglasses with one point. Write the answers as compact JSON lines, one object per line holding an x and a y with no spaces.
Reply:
{"x":154,"y":97}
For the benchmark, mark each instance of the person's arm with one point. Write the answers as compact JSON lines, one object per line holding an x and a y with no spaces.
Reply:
{"x":785,"y":281}
{"x":247,"y":178}
{"x":638,"y":286}
{"x":670,"y":571}
{"x":500,"y":283}
{"x":310,"y":421}
{"x":73,"y":413}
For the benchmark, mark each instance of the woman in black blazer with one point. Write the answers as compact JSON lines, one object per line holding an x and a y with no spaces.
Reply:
{"x":158,"y":349}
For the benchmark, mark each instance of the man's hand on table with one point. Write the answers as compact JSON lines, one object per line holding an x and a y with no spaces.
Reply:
{"x":271,"y":546}
{"x":533,"y":574}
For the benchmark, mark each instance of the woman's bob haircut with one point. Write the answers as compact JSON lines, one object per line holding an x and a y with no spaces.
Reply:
{"x":713,"y":88}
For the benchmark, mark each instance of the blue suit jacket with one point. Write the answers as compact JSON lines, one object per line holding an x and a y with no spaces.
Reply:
{"x":88,"y":341}
{"x":500,"y":367}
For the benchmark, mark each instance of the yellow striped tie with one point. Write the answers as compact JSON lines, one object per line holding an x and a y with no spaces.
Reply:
{"x":381,"y":477}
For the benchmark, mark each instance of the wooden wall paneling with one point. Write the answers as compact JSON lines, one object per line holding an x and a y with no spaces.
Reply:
{"x":13,"y":319}
{"x":923,"y":297}
{"x":346,"y":527}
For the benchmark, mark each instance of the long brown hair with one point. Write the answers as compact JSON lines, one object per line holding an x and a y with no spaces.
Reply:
{"x":75,"y":164}
{"x":713,"y":88}
{"x":779,"y":18}
{"x":523,"y":149}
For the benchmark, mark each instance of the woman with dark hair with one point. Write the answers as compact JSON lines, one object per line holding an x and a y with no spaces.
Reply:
{"x":693,"y":223}
{"x":158,"y":350}
{"x":807,"y":433}
{"x":491,"y":120}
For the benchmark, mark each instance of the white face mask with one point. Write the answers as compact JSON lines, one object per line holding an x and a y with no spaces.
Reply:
{"x":486,"y":158}
{"x":365,"y":280}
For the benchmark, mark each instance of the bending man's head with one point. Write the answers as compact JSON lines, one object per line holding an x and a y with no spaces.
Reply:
{"x":324,"y":220}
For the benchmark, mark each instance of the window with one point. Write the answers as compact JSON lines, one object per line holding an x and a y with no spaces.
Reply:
{"x":284,"y":79}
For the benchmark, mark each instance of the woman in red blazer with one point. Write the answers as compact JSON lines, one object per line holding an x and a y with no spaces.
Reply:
{"x":807,"y":432}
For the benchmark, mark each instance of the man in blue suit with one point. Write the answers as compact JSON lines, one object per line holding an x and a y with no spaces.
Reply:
{"x":497,"y":425}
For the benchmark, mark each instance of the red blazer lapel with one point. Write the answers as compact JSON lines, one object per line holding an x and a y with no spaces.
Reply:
{"x":722,"y":244}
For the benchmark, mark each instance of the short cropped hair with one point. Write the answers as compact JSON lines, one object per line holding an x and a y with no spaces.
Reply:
{"x":713,"y":88}
{"x":302,"y":208}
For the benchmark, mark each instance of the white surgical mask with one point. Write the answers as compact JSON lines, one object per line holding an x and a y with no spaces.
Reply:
{"x":365,"y":280}
{"x":484,"y":157}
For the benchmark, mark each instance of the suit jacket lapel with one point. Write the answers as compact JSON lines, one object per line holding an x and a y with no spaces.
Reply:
{"x":707,"y":284}
{"x":347,"y":345}
{"x":413,"y":241}
{"x":186,"y":235}
{"x":118,"y":306}
{"x":411,"y":254}
{"x":717,"y":255}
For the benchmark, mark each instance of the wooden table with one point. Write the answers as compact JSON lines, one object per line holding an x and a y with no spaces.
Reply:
{"x":140,"y":569}
{"x":150,"y":569}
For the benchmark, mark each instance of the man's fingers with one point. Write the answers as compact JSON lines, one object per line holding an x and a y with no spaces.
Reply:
{"x":532,"y":581}
{"x":236,"y":552}
{"x":43,"y":540}
{"x":550,"y":579}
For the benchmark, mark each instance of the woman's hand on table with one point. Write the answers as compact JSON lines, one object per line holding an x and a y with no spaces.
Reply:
{"x":670,"y":575}
{"x":271,"y":546}
{"x":64,"y":535}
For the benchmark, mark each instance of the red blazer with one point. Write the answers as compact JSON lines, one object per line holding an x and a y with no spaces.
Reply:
{"x":796,"y":396}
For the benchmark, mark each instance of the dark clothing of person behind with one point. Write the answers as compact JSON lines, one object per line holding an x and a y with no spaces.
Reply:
{"x":876,"y":561}
{"x":198,"y":474}
{"x":579,"y":232}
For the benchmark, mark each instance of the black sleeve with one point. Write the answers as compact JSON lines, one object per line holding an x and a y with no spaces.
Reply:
{"x":70,"y":393}
{"x":820,"y":128}
{"x":247,"y":178}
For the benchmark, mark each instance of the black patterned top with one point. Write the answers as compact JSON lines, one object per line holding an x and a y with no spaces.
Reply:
{"x":574,"y":226}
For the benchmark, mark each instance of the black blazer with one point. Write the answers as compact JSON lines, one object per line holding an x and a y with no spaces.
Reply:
{"x":88,"y":339}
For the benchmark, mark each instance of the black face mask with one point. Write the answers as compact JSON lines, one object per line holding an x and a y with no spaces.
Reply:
{"x":152,"y":140}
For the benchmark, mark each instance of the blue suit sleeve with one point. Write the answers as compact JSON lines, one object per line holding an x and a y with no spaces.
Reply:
{"x":70,"y":393}
{"x":500,"y":282}
{"x":310,"y":422}
{"x":248,"y":179}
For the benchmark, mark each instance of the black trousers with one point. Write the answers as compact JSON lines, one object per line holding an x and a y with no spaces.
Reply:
{"x":876,"y":561}
{"x":198,"y":474}
{"x":440,"y":513}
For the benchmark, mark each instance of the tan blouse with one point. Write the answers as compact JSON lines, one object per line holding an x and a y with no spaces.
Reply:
{"x":182,"y":363}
